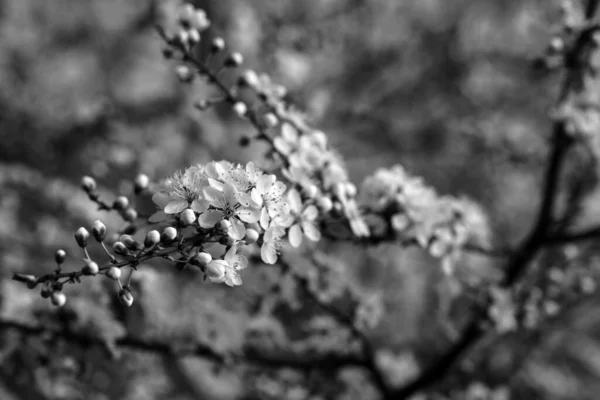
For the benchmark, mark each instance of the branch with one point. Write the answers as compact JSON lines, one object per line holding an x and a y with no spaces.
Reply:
{"x":539,"y":236}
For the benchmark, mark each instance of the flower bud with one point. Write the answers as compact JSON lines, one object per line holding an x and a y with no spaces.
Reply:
{"x":88,"y":184}
{"x":351,"y":189}
{"x":249,"y":78}
{"x":325,"y":204}
{"x":169,"y":234}
{"x":311,"y":191}
{"x":270,"y":120}
{"x":183,"y":37}
{"x":240,"y":109}
{"x":152,"y":239}
{"x":130,"y":215}
{"x":201,"y":260}
{"x":251,"y":236}
{"x":98,"y":230}
{"x":193,"y":36}
{"x":120,"y":203}
{"x":215,"y":269}
{"x":222,"y":227}
{"x":82,"y":236}
{"x":114,"y":273}
{"x":217,"y":45}
{"x":184,"y":73}
{"x":130,"y":242}
{"x":187,"y":217}
{"x":120,"y":248}
{"x":58,"y":299}
{"x":91,"y":268}
{"x":141,"y":183}
{"x":556,"y":45}
{"x":125,"y":297}
{"x":234,"y":60}
{"x":199,"y":20}
{"x":60,"y":256}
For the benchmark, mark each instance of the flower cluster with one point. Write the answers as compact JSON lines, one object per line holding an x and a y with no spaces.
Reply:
{"x":412,"y":210}
{"x":235,"y":204}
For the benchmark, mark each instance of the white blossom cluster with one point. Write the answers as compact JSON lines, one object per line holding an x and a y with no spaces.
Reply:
{"x":236,"y":205}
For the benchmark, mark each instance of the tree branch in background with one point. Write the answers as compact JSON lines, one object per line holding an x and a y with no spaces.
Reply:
{"x":521,"y":258}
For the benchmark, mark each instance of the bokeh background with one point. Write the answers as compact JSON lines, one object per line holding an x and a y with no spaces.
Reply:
{"x":447,"y":88}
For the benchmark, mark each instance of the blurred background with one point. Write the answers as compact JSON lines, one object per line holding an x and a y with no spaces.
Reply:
{"x":447,"y":88}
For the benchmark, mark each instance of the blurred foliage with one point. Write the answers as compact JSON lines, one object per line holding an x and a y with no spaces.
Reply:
{"x":444,"y":87}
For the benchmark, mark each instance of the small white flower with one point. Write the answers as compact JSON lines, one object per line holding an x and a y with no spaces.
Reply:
{"x":271,"y":244}
{"x":301,"y":221}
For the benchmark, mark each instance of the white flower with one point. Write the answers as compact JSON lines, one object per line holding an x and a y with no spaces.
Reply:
{"x":271,"y":244}
{"x":302,"y":220}
{"x":231,"y":205}
{"x":183,"y":190}
{"x":269,"y":195}
{"x":226,"y":270}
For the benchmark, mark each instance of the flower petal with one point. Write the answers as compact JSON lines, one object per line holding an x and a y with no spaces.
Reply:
{"x":268,"y":253}
{"x":209,"y":218}
{"x":200,"y":206}
{"x":310,"y":213}
{"x":311,"y":231}
{"x":158,"y":216}
{"x":176,"y":206}
{"x":161,"y":199}
{"x":232,"y":278}
{"x":215,"y":184}
{"x":237,"y":230}
{"x":213,"y":195}
{"x":264,"y":183}
{"x":264,"y":218}
{"x":295,"y":235}
{"x":249,"y":215}
{"x":294,"y":200}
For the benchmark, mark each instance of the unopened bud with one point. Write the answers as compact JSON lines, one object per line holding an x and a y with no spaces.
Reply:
{"x":217,"y":45}
{"x":187,"y":217}
{"x":82,"y":236}
{"x":91,"y":268}
{"x":240,"y":109}
{"x":114,"y":273}
{"x":234,"y":60}
{"x":249,"y":78}
{"x":60,"y":256}
{"x":130,"y":215}
{"x":251,"y":236}
{"x":311,"y":191}
{"x":351,"y":189}
{"x":271,"y":120}
{"x":325,"y":204}
{"x":193,"y":36}
{"x":201,"y":260}
{"x":183,"y":37}
{"x":120,"y":203}
{"x":120,"y":248}
{"x":130,"y":242}
{"x":88,"y":184}
{"x":199,"y":20}
{"x":215,"y":269}
{"x":58,"y":299}
{"x":98,"y":230}
{"x":184,"y":73}
{"x":125,"y":297}
{"x":169,"y":234}
{"x":556,"y":45}
{"x":152,"y":239}
{"x":222,"y":227}
{"x":140,"y":183}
